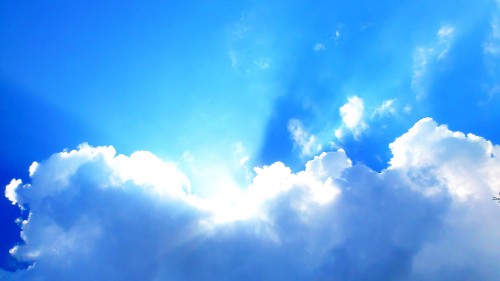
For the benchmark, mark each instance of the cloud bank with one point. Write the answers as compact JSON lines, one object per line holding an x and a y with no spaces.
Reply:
{"x":95,"y":215}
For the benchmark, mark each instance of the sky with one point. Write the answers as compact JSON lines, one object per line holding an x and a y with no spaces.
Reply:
{"x":249,"y":140}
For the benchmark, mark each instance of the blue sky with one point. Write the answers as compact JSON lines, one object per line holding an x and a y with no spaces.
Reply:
{"x":250,"y":107}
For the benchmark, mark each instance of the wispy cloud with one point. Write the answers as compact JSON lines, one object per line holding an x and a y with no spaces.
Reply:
{"x":306,"y":142}
{"x":248,"y":44}
{"x":385,"y":109}
{"x":425,"y":57}
{"x":421,"y":58}
{"x":445,"y":37}
{"x":492,"y":45}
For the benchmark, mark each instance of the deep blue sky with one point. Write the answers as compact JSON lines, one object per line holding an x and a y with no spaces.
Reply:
{"x":222,"y":86}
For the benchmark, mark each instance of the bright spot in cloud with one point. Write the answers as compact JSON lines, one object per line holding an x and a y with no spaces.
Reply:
{"x":385,"y":109}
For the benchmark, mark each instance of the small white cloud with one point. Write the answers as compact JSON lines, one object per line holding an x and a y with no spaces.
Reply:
{"x":352,"y":112}
{"x":445,"y":32}
{"x":319,"y":47}
{"x":352,"y":115}
{"x":307,"y":143}
{"x":262,"y":63}
{"x":10,"y":190}
{"x":338,"y":133}
{"x":385,"y":109}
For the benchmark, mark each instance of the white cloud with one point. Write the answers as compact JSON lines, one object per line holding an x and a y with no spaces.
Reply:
{"x":352,"y":112}
{"x":385,"y":109}
{"x":337,"y":34}
{"x":445,"y":37}
{"x":434,"y":160}
{"x":319,"y":47}
{"x":352,"y":116}
{"x":95,"y":215}
{"x":445,"y":32}
{"x":425,"y":57}
{"x":421,"y":58}
{"x":492,"y":45}
{"x":10,"y":190}
{"x":307,"y":142}
{"x":33,"y":168}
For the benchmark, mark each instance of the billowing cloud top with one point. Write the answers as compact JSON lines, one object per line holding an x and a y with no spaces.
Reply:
{"x":95,"y":215}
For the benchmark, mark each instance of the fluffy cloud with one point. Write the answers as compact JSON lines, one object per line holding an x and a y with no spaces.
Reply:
{"x":352,"y":117}
{"x":492,"y":45}
{"x":95,"y":215}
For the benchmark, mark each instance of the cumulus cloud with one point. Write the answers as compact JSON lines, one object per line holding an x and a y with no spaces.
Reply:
{"x":338,"y":33}
{"x":420,"y":64}
{"x":492,"y":45}
{"x":352,"y":117}
{"x":95,"y":215}
{"x":464,"y":164}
